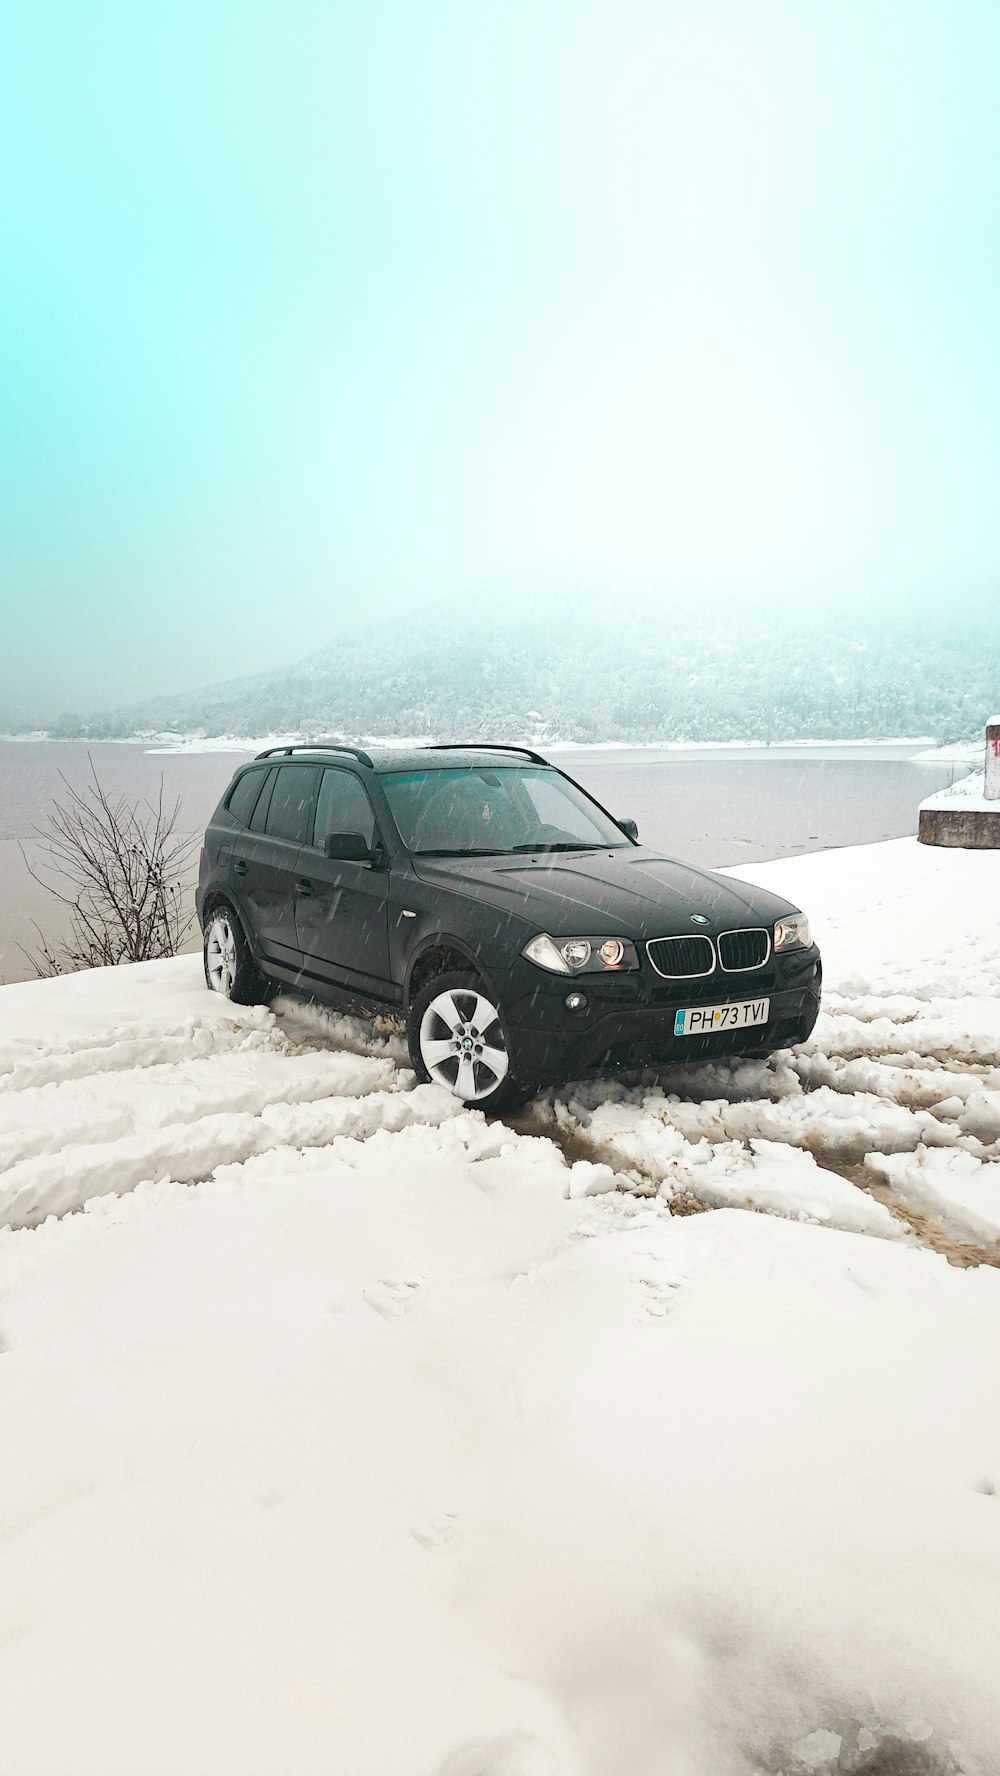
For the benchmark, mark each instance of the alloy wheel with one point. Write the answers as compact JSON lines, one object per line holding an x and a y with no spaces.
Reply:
{"x":462,"y":1044}
{"x":220,"y":956}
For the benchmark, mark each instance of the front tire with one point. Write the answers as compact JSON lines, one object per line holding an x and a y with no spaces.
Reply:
{"x":458,"y":1038}
{"x":230,"y":969}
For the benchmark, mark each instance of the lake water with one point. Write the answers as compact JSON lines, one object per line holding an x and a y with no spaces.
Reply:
{"x":710,"y":807}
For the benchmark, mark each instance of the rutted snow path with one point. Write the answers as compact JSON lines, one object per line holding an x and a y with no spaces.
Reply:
{"x":789,"y":1135}
{"x":886,"y":1123}
{"x":178,"y":1100}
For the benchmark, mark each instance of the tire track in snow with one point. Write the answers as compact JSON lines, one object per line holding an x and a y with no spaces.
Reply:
{"x":48,"y":1118}
{"x":683,"y":1199}
{"x":57,"y":1184}
{"x":27,"y":1063}
{"x":539,"y":1120}
{"x":966,"y":1254}
{"x":919,"y":1092}
{"x":105,"y":1112}
{"x":951,"y":1041}
{"x":650,"y":1156}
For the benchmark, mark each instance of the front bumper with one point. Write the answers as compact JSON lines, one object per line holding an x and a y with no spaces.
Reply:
{"x":629,"y":1020}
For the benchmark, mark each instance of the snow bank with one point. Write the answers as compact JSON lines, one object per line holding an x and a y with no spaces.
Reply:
{"x":407,"y":1462}
{"x":61,"y":1010}
{"x":960,"y":1190}
{"x":969,"y":793}
{"x":357,"y":1434}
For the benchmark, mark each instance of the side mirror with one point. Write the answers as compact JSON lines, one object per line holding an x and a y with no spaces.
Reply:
{"x":348,"y":847}
{"x":630,"y":830}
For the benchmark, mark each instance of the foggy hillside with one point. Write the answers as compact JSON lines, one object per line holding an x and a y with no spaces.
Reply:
{"x":710,"y":674}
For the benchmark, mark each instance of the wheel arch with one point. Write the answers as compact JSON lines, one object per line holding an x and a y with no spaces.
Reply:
{"x":214,"y":899}
{"x":438,"y":955}
{"x":222,"y":896}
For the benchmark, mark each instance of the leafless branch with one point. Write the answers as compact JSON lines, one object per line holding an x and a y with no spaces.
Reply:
{"x":122,"y":871}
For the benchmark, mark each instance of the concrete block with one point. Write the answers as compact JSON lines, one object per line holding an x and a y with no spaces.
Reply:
{"x":974,"y":829}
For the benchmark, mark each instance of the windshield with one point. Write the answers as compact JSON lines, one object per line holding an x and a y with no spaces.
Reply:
{"x":483,"y":811}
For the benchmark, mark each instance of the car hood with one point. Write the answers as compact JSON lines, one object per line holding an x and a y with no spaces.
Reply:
{"x":636,"y":893}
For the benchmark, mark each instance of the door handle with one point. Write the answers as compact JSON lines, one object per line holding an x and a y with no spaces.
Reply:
{"x":240,"y":868}
{"x":303,"y":887}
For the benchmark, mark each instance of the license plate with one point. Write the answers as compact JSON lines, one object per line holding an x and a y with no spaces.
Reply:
{"x":703,"y":1020}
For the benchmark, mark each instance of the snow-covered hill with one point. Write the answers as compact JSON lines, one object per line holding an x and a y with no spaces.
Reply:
{"x":619,"y":667}
{"x":345,"y":1432}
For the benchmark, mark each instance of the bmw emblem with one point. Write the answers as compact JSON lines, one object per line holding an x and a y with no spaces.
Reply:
{"x":698,"y":919}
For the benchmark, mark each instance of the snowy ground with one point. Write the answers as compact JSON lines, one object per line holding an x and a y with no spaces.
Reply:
{"x":348,"y":1434}
{"x":968,"y":795}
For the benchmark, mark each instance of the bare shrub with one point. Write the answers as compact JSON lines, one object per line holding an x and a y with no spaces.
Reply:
{"x":122,"y":872}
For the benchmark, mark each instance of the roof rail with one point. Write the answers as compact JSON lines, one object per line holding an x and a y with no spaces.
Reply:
{"x":317,"y":746}
{"x":485,"y":746}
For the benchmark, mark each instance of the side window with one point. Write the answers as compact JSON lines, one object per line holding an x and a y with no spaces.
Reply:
{"x":289,"y":815}
{"x":244,"y":795}
{"x":259,"y":815}
{"x":343,"y":806}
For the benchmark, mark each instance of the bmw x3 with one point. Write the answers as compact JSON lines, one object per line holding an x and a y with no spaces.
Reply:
{"x":524,"y":934}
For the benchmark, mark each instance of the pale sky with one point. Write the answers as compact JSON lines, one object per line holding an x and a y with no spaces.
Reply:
{"x":312,"y":313}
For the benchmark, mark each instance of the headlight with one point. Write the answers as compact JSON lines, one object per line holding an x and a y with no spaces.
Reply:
{"x":578,"y":955}
{"x":792,"y":933}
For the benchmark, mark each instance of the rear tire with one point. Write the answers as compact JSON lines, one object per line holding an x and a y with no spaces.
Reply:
{"x":230,"y":969}
{"x":458,"y":1038}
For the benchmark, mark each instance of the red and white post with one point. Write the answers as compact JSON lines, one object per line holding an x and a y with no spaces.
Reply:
{"x":992,"y":788}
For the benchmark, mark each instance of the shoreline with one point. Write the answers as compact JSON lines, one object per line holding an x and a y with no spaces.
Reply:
{"x":165,"y":744}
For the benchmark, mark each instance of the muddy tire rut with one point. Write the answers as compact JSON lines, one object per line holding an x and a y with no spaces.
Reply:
{"x":965,"y":1254}
{"x":575,"y":1144}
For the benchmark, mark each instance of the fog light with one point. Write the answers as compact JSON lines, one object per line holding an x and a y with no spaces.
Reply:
{"x":576,"y":1001}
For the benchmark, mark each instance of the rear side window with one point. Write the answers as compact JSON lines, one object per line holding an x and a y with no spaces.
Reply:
{"x":289,"y":814}
{"x":243,"y":797}
{"x":342,"y":806}
{"x":259,"y":815}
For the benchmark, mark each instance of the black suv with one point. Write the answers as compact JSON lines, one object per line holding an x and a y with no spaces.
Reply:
{"x":525,"y":935}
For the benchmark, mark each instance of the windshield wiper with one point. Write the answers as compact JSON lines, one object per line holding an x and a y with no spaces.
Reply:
{"x":514,"y":850}
{"x":560,"y":846}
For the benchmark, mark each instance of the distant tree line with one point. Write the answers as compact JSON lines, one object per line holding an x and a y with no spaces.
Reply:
{"x":709,"y":675}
